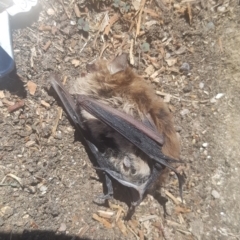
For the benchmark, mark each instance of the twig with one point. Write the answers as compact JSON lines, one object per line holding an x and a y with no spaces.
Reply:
{"x":57,"y":120}
{"x":65,"y":10}
{"x":84,"y":45}
{"x":105,"y":46}
{"x":14,"y":177}
{"x":140,"y":18}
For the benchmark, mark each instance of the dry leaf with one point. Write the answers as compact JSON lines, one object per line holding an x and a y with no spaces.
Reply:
{"x":75,"y":62}
{"x":102,"y":220}
{"x":104,"y":22}
{"x":31,"y":87}
{"x":180,"y":209}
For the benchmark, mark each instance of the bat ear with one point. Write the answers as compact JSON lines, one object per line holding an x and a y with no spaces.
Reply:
{"x":118,"y":64}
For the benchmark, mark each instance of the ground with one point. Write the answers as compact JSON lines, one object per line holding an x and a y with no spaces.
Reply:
{"x":47,"y":181}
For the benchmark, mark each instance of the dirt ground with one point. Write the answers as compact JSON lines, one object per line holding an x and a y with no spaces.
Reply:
{"x":47,"y":182}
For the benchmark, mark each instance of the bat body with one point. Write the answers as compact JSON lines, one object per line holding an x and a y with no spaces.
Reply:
{"x":126,"y":126}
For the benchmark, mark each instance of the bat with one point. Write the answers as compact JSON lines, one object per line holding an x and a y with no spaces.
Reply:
{"x":128,"y":130}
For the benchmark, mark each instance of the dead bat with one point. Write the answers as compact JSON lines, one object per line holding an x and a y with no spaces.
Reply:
{"x":127,"y":128}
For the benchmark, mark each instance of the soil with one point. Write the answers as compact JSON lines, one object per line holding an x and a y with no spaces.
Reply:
{"x":47,"y":182}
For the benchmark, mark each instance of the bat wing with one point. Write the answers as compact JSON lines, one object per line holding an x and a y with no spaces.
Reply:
{"x":137,"y":133}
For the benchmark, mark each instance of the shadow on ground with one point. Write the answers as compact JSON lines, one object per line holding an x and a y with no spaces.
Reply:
{"x":38,"y":235}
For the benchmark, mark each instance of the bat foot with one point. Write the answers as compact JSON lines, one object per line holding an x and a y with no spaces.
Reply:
{"x":101,"y":199}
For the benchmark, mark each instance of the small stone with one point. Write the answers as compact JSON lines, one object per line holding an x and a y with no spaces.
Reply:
{"x":30,"y":143}
{"x":205,"y":145}
{"x":19,"y":223}
{"x":58,"y":135}
{"x":62,"y":227}
{"x":184,"y":112}
{"x":221,"y":9}
{"x":213,"y":100}
{"x":25,"y":216}
{"x":215,"y":194}
{"x":219,"y":95}
{"x":201,"y":85}
{"x":185,"y":67}
{"x":187,"y":88}
{"x":6,"y":212}
{"x":50,"y":12}
{"x":210,"y":26}
{"x":43,"y":189}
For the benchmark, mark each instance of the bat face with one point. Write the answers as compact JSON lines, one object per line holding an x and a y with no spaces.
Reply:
{"x":126,"y":127}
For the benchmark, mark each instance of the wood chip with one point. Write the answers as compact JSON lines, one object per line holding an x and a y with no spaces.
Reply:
{"x":180,"y":209}
{"x":83,"y":230}
{"x":141,"y":234}
{"x":131,"y":56}
{"x":122,"y":227}
{"x":105,"y":214}
{"x":45,"y":28}
{"x":50,"y":12}
{"x":77,"y":11}
{"x":175,"y":200}
{"x":45,"y":104}
{"x":189,"y":13}
{"x":8,"y":103}
{"x":47,"y":45}
{"x":133,"y":225}
{"x":171,"y":61}
{"x":140,"y":18}
{"x":146,"y":218}
{"x":75,"y":62}
{"x":152,"y":13}
{"x":2,"y":95}
{"x":31,"y":87}
{"x":59,"y":115}
{"x":54,"y":30}
{"x":16,"y":106}
{"x":102,"y":220}
{"x":29,"y":143}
